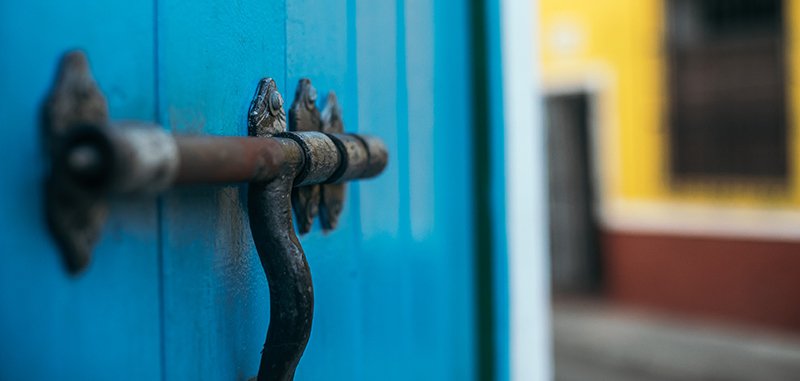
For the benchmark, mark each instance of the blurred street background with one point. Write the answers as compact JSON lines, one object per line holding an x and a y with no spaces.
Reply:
{"x":673,"y":182}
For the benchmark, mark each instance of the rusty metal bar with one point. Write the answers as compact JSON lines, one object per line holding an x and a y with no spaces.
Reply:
{"x":207,"y":159}
{"x":134,"y":159}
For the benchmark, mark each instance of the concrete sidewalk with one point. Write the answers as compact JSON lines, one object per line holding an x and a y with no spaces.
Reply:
{"x":596,"y":342}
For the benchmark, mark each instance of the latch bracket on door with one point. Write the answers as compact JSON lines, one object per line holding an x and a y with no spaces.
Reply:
{"x":93,"y":159}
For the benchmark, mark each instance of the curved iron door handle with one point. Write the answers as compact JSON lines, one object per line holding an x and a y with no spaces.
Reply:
{"x":312,"y":161}
{"x":291,"y":293}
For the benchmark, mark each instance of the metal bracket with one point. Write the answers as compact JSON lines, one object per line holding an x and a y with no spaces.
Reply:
{"x":327,"y":200}
{"x":91,"y":160}
{"x":332,"y":195}
{"x":304,"y":116}
{"x":72,"y":111}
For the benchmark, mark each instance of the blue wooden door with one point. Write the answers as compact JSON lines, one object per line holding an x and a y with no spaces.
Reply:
{"x":175,"y":290}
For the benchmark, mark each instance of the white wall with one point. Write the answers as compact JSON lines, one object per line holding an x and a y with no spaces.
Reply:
{"x":526,"y":197}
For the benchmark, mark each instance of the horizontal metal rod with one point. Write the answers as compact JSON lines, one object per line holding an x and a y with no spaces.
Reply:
{"x":146,"y":159}
{"x":210,"y":160}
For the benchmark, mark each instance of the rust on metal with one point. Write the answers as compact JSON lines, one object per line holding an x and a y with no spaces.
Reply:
{"x":206,"y":159}
{"x":266,"y":116}
{"x":145,"y":158}
{"x":332,"y":195}
{"x":305,"y":117}
{"x":377,"y":159}
{"x":322,"y":159}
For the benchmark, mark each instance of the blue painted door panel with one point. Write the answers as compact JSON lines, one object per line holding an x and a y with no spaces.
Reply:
{"x":211,"y":54}
{"x":176,"y":290}
{"x":319,"y":46}
{"x":104,"y":323}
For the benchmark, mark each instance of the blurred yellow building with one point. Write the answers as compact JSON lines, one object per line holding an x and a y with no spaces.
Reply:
{"x":674,"y":157}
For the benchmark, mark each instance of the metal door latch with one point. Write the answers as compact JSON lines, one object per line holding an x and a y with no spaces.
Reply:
{"x":92,"y":159}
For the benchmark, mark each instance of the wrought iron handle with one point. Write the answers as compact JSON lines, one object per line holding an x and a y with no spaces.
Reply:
{"x":325,"y":160}
{"x":304,"y":167}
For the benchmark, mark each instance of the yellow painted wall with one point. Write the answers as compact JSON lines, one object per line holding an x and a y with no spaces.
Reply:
{"x":613,"y":49}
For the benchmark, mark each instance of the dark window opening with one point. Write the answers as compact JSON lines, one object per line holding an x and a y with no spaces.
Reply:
{"x":726,"y":80}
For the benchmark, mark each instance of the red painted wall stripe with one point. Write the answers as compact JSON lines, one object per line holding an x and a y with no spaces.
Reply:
{"x":736,"y":280}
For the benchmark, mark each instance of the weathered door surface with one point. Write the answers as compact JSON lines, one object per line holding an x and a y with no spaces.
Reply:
{"x":175,"y":289}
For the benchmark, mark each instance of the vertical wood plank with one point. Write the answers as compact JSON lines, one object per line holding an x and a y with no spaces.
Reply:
{"x":211,"y":55}
{"x":318,"y":48}
{"x":416,"y":258}
{"x":385,"y":290}
{"x":453,"y":170}
{"x":103,"y":323}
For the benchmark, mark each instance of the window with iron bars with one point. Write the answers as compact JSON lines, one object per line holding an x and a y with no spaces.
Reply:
{"x":726,"y":80}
